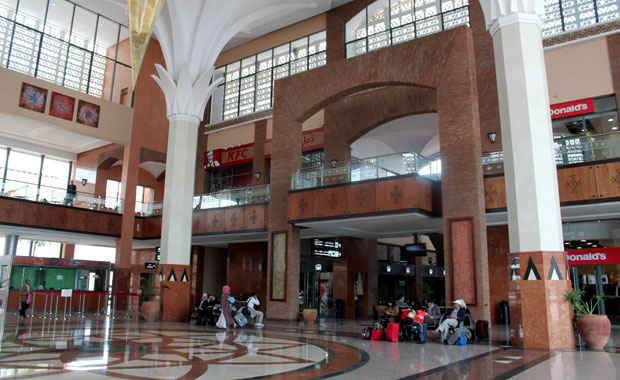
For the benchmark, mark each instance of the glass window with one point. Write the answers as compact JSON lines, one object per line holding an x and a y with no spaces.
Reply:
{"x":7,"y":8}
{"x":107,"y":36}
{"x":83,"y":31}
{"x":356,"y":27}
{"x":54,"y":179}
{"x":124,"y":50}
{"x":22,"y":175}
{"x":46,"y":249}
{"x":58,"y":23}
{"x":231,"y":94}
{"x":89,"y":252}
{"x":32,"y":13}
{"x":247,"y":86}
{"x":2,"y":161}
{"x":23,"y":247}
{"x":112,"y":194}
{"x":145,"y":196}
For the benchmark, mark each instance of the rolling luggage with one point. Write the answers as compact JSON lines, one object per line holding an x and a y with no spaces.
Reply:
{"x":482,"y":329}
{"x":376,"y":334}
{"x":366,"y":333}
{"x":419,"y":332}
{"x":391,"y":332}
{"x":240,"y":319}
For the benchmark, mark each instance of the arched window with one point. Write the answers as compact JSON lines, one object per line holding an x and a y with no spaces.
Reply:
{"x":387,"y":22}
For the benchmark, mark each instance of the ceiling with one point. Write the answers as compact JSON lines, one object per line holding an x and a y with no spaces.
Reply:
{"x":36,"y":136}
{"x":416,"y":133}
{"x":115,"y":10}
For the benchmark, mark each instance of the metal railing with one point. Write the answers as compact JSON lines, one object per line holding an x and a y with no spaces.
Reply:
{"x":365,"y":169}
{"x":55,"y":195}
{"x":232,"y":197}
{"x":568,"y":151}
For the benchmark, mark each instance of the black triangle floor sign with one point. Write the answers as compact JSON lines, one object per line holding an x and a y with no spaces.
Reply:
{"x":531,"y":273}
{"x":184,"y":277}
{"x":554,"y":271}
{"x":172,"y":276}
{"x":514,"y":274}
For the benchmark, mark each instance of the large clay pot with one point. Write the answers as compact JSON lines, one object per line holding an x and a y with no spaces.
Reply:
{"x":594,"y":329}
{"x":310,"y":315}
{"x":149,"y":310}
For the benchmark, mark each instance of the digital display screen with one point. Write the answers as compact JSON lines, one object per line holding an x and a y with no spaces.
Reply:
{"x":328,"y":248}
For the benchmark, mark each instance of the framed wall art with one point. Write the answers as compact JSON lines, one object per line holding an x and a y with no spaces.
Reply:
{"x":88,"y":114}
{"x":62,"y":106}
{"x":33,"y":97}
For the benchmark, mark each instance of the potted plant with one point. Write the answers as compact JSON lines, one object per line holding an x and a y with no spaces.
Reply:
{"x":149,"y":310}
{"x":593,"y":328}
{"x":309,"y":312}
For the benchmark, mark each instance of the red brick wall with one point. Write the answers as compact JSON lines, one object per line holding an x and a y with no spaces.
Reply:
{"x":499,"y":271}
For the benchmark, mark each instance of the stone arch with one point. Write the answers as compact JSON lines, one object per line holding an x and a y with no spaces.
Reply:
{"x":442,"y":62}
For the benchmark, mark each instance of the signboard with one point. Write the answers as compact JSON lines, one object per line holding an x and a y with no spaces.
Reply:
{"x":66,"y":292}
{"x":158,"y":256}
{"x":310,"y":140}
{"x":576,"y":107}
{"x":150,"y":265}
{"x":329,"y":248}
{"x":63,"y":263}
{"x":593,"y":256}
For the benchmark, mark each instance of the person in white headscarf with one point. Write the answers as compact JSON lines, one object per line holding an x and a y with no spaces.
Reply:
{"x":457,"y":315}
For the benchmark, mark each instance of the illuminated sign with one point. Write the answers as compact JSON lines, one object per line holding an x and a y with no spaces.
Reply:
{"x":576,"y":107}
{"x":329,"y":248}
{"x":593,"y":256}
{"x":150,"y":265}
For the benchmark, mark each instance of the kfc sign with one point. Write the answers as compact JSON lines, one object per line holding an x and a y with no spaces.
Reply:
{"x":593,"y":256}
{"x":229,"y":157}
{"x":577,"y":107}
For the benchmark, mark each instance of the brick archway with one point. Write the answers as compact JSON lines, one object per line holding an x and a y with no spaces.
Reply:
{"x":442,"y":63}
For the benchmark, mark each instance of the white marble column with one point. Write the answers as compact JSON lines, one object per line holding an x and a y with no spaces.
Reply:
{"x":179,"y":189}
{"x":534,"y":221}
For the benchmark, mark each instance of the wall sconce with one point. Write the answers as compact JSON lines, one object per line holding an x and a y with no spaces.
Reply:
{"x":492,"y":136}
{"x":257,"y":175}
{"x":407,"y":270}
{"x":388,"y":269}
{"x":333,"y":163}
{"x":430,"y":271}
{"x":84,"y":181}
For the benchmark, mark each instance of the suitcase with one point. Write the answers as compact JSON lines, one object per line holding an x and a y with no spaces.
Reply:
{"x":482,"y":329}
{"x":366,"y":333}
{"x":376,"y":334}
{"x":419,"y":332}
{"x":391,"y":332}
{"x":240,"y":319}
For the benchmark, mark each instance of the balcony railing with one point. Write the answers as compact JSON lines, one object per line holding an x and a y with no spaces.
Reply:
{"x":568,"y":151}
{"x":364,"y":169}
{"x":232,"y":197}
{"x":58,"y":196}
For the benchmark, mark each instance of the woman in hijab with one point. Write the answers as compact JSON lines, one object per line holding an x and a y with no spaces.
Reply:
{"x":227,"y":307}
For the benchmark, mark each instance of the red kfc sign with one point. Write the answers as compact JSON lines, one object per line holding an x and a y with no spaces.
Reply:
{"x":576,"y":107}
{"x":593,"y":256}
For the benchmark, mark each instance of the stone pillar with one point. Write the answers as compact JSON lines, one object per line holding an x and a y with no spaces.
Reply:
{"x":176,"y":239}
{"x":10,"y":245}
{"x":258,"y":165}
{"x":537,"y":259}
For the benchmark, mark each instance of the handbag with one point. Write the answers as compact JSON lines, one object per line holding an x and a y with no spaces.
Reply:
{"x":221,"y":322}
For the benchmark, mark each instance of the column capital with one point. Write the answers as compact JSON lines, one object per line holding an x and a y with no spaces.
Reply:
{"x":184,"y":117}
{"x":500,"y":13}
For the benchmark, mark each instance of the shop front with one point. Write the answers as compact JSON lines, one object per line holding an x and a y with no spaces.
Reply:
{"x":596,"y":271}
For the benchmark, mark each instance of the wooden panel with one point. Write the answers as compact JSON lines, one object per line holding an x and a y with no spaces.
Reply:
{"x":254,"y":217}
{"x":109,"y":224}
{"x":608,"y":180}
{"x":333,"y":201}
{"x":233,"y":219}
{"x":199,"y":222}
{"x":152,"y":227}
{"x":12,"y":211}
{"x":37,"y":214}
{"x":577,"y":184}
{"x":462,"y":246}
{"x":303,"y":205}
{"x":494,"y":192}
{"x":396,"y":194}
{"x":62,"y":218}
{"x":423,"y":193}
{"x":86,"y":221}
{"x":138,"y":227}
{"x":215,"y":221}
{"x":361,"y":198}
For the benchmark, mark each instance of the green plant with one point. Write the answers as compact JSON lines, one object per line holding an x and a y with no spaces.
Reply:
{"x":581,"y":307}
{"x":147,"y":292}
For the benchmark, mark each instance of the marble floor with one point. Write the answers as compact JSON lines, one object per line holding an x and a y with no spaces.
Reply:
{"x":102,"y":348}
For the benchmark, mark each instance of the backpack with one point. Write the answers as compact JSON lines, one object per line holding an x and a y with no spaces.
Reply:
{"x":461,"y":341}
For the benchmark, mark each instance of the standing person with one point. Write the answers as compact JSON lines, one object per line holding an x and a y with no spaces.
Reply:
{"x":227,"y":306}
{"x":71,"y":192}
{"x":458,"y":315}
{"x":434,"y":314}
{"x":25,"y":294}
{"x":253,"y":301}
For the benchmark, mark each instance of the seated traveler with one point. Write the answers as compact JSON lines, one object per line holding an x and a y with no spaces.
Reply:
{"x":457,"y":315}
